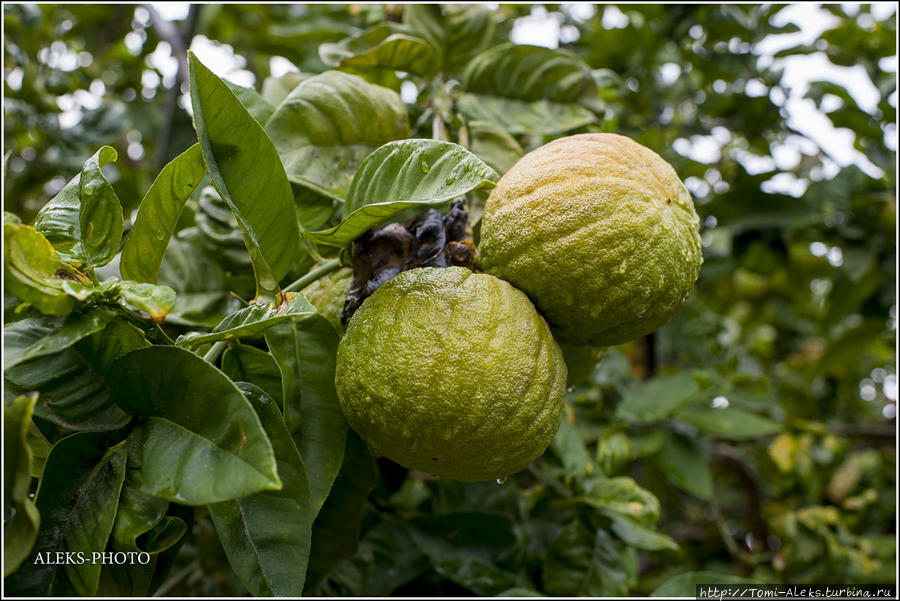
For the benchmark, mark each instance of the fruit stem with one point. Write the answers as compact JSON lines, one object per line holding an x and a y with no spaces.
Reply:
{"x":320,"y":271}
{"x":215,"y":351}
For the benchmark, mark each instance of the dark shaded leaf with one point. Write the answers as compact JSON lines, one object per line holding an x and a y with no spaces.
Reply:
{"x":77,"y":500}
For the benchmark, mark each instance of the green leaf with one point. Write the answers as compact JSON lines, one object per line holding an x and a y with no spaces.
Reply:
{"x":525,"y":117}
{"x":244,"y":363}
{"x":73,"y":393}
{"x":639,"y":535}
{"x":200,"y":440}
{"x":244,"y":167}
{"x":405,"y":174}
{"x":685,"y":585}
{"x":156,"y":301}
{"x":34,"y":337}
{"x":384,"y":46}
{"x":569,"y":446}
{"x":77,"y":500}
{"x":21,"y":518}
{"x":34,"y":272}
{"x":328,"y":124}
{"x":728,"y":423}
{"x":464,"y":546}
{"x":528,"y":89}
{"x":158,"y":215}
{"x":624,"y":496}
{"x":387,"y":559}
{"x":252,"y":320}
{"x":656,"y":399}
{"x":584,"y":563}
{"x":258,"y":107}
{"x":529,"y":73}
{"x":458,"y":32}
{"x":267,"y":536}
{"x":305,"y":350}
{"x":493,"y":144}
{"x":686,"y":463}
{"x":141,"y":521}
{"x":336,"y":528}
{"x":276,"y":89}
{"x":84,"y":220}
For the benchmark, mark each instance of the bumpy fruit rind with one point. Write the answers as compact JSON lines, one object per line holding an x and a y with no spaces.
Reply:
{"x":601,"y":234}
{"x":452,"y":373}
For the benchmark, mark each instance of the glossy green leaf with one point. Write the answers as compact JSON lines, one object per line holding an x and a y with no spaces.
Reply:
{"x":21,"y":518}
{"x":40,"y":449}
{"x":685,"y":585}
{"x":417,"y":171}
{"x":267,"y":536}
{"x":305,"y":350}
{"x":657,"y":398}
{"x":402,"y":175}
{"x":34,"y":272}
{"x":337,"y":525}
{"x":458,"y":32}
{"x":158,"y":215}
{"x":528,"y":89}
{"x":525,"y":116}
{"x":77,"y":500}
{"x":276,"y":89}
{"x":494,"y":145}
{"x":156,"y":301}
{"x":639,"y":535}
{"x":624,"y":496}
{"x":585,"y":564}
{"x":84,"y":220}
{"x":384,"y":46}
{"x":38,"y":336}
{"x":258,"y":107}
{"x":141,"y":521}
{"x":529,"y":73}
{"x":244,"y":167}
{"x":201,"y":441}
{"x":328,"y":124}
{"x":728,"y":422}
{"x":244,"y":363}
{"x":253,"y":320}
{"x":569,"y":446}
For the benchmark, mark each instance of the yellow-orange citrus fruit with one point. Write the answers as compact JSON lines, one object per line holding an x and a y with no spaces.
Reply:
{"x":601,"y":234}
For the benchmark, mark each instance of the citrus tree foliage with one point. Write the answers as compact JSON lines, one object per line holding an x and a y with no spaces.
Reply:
{"x":167,"y":389}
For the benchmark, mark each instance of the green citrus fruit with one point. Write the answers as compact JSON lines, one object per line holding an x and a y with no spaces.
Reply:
{"x":580,"y":362}
{"x":452,"y":373}
{"x":327,"y":294}
{"x":600,"y":232}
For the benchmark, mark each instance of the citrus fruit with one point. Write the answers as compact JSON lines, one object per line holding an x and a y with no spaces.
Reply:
{"x":327,"y":295}
{"x":580,"y":362}
{"x":601,"y":234}
{"x":453,"y":373}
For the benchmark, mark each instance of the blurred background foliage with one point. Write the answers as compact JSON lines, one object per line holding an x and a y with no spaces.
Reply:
{"x":761,"y":419}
